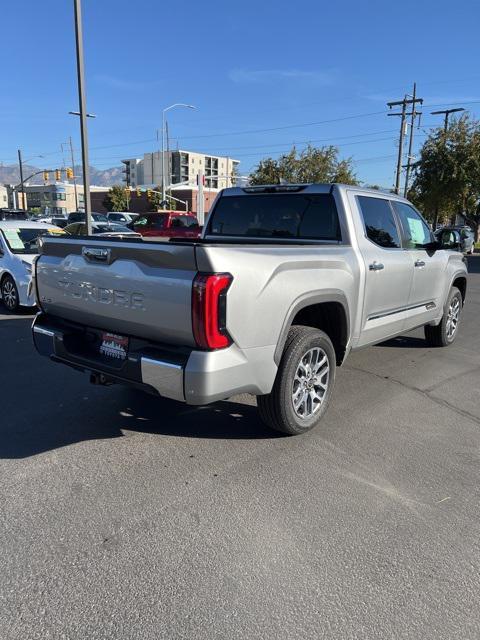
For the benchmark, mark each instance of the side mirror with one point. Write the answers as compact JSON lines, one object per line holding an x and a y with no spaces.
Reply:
{"x":450,"y":239}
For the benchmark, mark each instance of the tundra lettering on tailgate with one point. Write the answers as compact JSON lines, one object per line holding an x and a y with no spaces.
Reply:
{"x":91,"y":293}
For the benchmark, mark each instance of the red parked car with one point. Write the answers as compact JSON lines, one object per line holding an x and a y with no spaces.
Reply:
{"x":170,"y":224}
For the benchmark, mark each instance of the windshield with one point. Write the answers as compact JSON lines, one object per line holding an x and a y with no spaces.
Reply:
{"x":24,"y":240}
{"x":276,"y":216}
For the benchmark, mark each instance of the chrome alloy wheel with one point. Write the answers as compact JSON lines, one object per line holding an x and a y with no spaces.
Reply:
{"x":453,"y":316}
{"x":310,"y":383}
{"x":9,"y":294}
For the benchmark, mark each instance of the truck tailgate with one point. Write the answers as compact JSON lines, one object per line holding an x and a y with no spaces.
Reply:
{"x":130,"y":288}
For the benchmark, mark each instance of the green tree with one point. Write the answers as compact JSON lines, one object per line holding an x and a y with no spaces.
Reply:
{"x":116,"y":199}
{"x":447,"y":176}
{"x":155,"y":199}
{"x":313,"y":164}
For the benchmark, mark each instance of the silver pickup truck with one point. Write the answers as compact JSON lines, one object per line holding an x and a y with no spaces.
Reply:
{"x":285,"y":281}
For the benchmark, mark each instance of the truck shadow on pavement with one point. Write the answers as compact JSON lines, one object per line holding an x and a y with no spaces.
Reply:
{"x":228,"y":420}
{"x":404,"y":342}
{"x":121,"y":410}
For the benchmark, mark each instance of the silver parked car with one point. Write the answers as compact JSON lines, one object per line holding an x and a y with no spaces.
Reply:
{"x":18,"y":247}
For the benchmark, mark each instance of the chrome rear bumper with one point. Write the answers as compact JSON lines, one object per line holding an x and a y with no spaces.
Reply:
{"x":163,"y":376}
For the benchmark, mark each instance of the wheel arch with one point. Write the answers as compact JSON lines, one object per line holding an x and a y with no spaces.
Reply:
{"x":460,"y":281}
{"x":328,"y":311}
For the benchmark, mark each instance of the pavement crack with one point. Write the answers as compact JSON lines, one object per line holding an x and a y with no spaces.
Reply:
{"x":424,"y":393}
{"x":435,"y":386}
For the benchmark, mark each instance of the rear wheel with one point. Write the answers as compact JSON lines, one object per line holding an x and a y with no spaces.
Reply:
{"x":445,"y":333}
{"x":10,"y":293}
{"x":304,"y":382}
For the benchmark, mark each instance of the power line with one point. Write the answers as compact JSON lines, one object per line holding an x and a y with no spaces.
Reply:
{"x":266,"y":130}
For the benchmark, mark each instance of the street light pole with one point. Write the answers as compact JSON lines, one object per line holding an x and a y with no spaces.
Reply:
{"x":83,"y":114}
{"x":22,"y":188}
{"x":163,"y":158}
{"x":177,"y":104}
{"x":74,"y":176}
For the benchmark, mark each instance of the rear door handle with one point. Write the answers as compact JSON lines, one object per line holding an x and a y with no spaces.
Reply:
{"x":376,"y":266}
{"x":419,"y":263}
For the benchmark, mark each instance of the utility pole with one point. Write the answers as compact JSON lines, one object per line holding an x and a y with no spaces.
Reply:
{"x":163,"y":158}
{"x":413,"y":115}
{"x":403,"y":115}
{"x":22,"y":188}
{"x":83,"y":114}
{"x":446,"y":113}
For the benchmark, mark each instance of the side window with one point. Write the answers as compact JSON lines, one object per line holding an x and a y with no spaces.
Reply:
{"x":140,"y":222}
{"x":156,"y":221}
{"x":414,"y":228}
{"x":379,"y":222}
{"x":177,"y":221}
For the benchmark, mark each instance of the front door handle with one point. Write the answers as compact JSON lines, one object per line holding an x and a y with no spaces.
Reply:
{"x":376,"y":266}
{"x":419,"y":263}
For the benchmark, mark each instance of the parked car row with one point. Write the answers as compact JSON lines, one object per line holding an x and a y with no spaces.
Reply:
{"x":100,"y":228}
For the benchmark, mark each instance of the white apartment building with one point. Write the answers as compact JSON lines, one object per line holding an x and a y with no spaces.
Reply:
{"x":3,"y":197}
{"x":182,"y":167}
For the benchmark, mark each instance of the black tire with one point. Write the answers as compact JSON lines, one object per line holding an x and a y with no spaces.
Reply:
{"x":277,"y":409}
{"x":441,"y":335}
{"x":10,"y":296}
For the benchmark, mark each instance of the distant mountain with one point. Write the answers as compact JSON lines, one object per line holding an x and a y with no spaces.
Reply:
{"x":10,"y":174}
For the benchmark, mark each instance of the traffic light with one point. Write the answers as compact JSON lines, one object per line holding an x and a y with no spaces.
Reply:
{"x":46,"y":176}
{"x":139,"y":192}
{"x":69,"y":172}
{"x":58,"y":175}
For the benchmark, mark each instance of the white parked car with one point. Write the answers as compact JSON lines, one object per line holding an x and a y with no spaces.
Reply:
{"x":18,"y":247}
{"x":122,"y":217}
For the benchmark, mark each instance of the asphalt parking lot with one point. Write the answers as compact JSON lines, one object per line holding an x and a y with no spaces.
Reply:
{"x":128,"y":517}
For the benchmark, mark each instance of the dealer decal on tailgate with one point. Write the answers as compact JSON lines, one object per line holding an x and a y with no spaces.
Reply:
{"x":114,"y":346}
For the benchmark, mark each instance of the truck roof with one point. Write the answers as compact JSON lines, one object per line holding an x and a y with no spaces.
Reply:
{"x":311,"y":187}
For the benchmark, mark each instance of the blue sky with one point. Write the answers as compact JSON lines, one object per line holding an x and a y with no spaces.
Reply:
{"x":263,"y":75}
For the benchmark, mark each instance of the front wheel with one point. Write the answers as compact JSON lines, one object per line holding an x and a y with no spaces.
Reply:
{"x":10,"y":293}
{"x":304,"y":382}
{"x":445,"y":333}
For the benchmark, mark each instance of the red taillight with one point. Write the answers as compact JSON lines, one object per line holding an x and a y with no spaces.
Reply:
{"x":209,"y":310}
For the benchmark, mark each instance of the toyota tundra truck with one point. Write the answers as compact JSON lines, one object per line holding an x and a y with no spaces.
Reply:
{"x":284,"y":282}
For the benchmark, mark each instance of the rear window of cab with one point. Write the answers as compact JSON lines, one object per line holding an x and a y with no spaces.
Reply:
{"x":289,"y":216}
